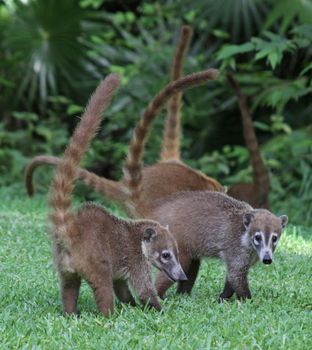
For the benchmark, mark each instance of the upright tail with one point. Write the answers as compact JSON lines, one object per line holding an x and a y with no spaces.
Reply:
{"x":259,"y":171}
{"x":63,"y":182}
{"x":133,"y":166}
{"x":171,"y":141}
{"x":110,"y":189}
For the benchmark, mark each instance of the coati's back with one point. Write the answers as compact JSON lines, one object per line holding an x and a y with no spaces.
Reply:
{"x":205,"y":222}
{"x":166,"y":178}
{"x":101,"y":231}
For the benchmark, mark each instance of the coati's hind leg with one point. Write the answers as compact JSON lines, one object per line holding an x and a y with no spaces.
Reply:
{"x":101,"y":282}
{"x":228,"y":291}
{"x":70,"y":285}
{"x":123,"y":293}
{"x":191,"y":274}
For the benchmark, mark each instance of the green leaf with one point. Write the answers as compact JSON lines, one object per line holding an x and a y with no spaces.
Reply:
{"x":274,"y":58}
{"x":228,"y":51}
{"x":221,"y":34}
{"x":287,"y":11}
{"x":26,"y":116}
{"x":261,"y":126}
{"x":74,"y":109}
{"x":306,"y":69}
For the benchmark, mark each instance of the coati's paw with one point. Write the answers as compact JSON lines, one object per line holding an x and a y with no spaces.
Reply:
{"x":224,"y":297}
{"x":155,"y":305}
{"x":243,"y":297}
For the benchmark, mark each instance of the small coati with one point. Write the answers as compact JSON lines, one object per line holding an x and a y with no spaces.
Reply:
{"x":158,"y":180}
{"x":213,"y":224}
{"x":256,"y":193}
{"x":92,"y":244}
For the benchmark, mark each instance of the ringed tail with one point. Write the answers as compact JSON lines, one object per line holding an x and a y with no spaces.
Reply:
{"x":66,"y":172}
{"x":133,"y":163}
{"x":259,"y":171}
{"x":171,"y":138}
{"x":110,"y":189}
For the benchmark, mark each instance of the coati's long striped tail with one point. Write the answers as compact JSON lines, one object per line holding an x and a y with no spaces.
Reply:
{"x":259,"y":171}
{"x":66,"y":172}
{"x":133,"y":166}
{"x":112,"y":190}
{"x":171,"y":140}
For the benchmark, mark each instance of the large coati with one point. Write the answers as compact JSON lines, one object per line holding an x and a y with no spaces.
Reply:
{"x":92,"y":244}
{"x":156,"y":181}
{"x":213,"y":224}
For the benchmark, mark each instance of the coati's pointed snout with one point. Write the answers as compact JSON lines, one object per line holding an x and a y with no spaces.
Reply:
{"x":175,"y":273}
{"x":267,"y":259}
{"x":182,"y":276}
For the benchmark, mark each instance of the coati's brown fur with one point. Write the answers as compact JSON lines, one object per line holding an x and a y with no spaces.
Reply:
{"x":213,"y":224}
{"x":171,"y":141}
{"x":257,"y":193}
{"x":133,"y":164}
{"x":92,"y":244}
{"x":157,"y":180}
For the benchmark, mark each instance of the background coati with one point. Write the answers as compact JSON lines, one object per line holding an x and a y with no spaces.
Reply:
{"x":257,"y":193}
{"x":92,"y":244}
{"x":158,"y":180}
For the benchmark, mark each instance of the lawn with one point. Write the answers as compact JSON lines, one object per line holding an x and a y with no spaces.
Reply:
{"x":279,"y":316}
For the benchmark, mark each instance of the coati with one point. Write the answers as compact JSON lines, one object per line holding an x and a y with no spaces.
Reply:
{"x":257,"y":193}
{"x":213,"y":224}
{"x":106,"y":251}
{"x":158,"y":180}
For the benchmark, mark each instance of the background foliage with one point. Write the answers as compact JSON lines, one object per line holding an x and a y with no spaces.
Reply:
{"x":53,"y":53}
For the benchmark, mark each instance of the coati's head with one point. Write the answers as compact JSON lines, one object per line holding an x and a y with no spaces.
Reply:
{"x":263,"y":230}
{"x":161,"y":249}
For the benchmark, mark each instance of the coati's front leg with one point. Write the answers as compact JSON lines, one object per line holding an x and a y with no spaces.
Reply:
{"x":162,"y":284}
{"x":123,"y":293}
{"x":238,"y":280}
{"x":142,"y":283}
{"x":101,"y":282}
{"x":70,"y":285}
{"x":191,"y":274}
{"x":228,"y":291}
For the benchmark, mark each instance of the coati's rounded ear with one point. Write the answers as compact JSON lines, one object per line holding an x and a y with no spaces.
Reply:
{"x":149,"y":233}
{"x":247,"y":218}
{"x":284,"y":220}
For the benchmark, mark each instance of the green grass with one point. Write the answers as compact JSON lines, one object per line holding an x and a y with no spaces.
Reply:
{"x":279,"y":317}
